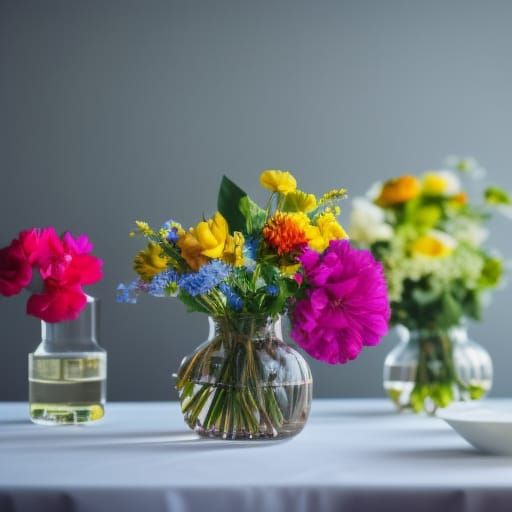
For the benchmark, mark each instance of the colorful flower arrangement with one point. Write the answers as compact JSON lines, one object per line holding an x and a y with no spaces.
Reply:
{"x":54,"y":268}
{"x":429,"y":234}
{"x":245,"y":266}
{"x":291,"y":256}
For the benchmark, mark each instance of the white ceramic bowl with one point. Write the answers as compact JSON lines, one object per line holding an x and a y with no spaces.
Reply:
{"x":487,"y":426}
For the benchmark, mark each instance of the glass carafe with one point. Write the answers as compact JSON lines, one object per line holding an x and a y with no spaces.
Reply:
{"x":67,"y":372}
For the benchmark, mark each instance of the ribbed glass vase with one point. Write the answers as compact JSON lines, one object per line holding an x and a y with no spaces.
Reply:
{"x":431,"y":368}
{"x":244,"y":382}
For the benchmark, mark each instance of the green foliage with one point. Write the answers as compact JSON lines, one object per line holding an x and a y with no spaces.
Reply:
{"x":192,"y":304}
{"x":491,"y":273}
{"x":228,"y":203}
{"x":497,"y":196}
{"x":254,"y":215}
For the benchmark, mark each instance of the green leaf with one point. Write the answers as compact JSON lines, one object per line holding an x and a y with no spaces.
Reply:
{"x":254,"y":215}
{"x":228,"y":203}
{"x":491,"y":273}
{"x":191,"y":303}
{"x":451,"y":311}
{"x":497,"y":196}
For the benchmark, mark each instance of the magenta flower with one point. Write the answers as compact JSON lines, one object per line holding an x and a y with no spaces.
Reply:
{"x":15,"y":269}
{"x":346,"y":305}
{"x":64,"y":264}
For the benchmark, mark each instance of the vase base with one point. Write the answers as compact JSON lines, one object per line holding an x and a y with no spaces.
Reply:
{"x":283,"y":434}
{"x":65,"y":414}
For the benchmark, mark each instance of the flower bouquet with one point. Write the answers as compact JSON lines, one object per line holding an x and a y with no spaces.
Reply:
{"x":244,"y":267}
{"x":429,"y":236}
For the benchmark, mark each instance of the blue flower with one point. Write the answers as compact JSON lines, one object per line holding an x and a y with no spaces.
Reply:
{"x":251,"y":247}
{"x":172,"y":228}
{"x":234,"y":300}
{"x":127,"y":294}
{"x":206,"y":278}
{"x":164,"y":284}
{"x":273,"y":290}
{"x":172,"y":236}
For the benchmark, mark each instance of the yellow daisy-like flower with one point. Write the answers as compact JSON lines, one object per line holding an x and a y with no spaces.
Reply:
{"x":278,"y":181}
{"x":206,"y":240}
{"x":434,"y":244}
{"x":399,"y":190}
{"x":150,"y":261}
{"x":299,"y":201}
{"x":233,"y":250}
{"x":440,"y":183}
{"x":328,"y":228}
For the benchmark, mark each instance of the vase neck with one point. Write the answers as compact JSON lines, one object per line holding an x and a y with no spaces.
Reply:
{"x":250,"y":327}
{"x":456,"y":334}
{"x":72,"y":335}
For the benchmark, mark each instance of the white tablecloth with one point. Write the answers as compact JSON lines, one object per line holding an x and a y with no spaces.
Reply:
{"x":353,"y":455}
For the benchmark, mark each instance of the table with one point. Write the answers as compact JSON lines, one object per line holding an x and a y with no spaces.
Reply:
{"x":353,"y":455}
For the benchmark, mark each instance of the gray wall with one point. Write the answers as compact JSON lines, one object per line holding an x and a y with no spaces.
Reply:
{"x":117,"y":110}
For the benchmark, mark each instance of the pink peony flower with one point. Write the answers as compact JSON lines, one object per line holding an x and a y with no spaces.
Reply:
{"x":15,"y":269}
{"x":346,"y":305}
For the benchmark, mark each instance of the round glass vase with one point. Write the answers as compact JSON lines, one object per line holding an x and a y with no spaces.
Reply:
{"x":431,"y":368}
{"x":244,"y":382}
{"x":67,"y":372}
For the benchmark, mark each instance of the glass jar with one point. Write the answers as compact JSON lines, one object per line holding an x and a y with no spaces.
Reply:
{"x":430,"y":368}
{"x":67,"y":372}
{"x":244,"y":382}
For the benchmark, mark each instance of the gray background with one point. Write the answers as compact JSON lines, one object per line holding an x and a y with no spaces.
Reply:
{"x":117,"y":110}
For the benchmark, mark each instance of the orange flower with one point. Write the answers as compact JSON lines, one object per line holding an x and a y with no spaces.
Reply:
{"x":460,"y":199}
{"x":284,"y":234}
{"x":399,"y":190}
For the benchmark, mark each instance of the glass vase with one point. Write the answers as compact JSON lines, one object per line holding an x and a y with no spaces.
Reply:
{"x":67,"y":372}
{"x":244,"y":382}
{"x":431,"y":368}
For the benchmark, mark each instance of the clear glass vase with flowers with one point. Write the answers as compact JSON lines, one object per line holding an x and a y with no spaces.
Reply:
{"x":245,"y":267}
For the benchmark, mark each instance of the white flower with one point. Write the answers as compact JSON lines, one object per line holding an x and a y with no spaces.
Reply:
{"x":367,"y":223}
{"x":468,"y":231}
{"x":467,"y":165}
{"x":440,"y":183}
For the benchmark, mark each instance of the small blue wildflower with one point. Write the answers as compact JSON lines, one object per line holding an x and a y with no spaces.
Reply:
{"x":234,"y":300}
{"x":206,"y":278}
{"x":172,"y":236}
{"x":167,"y":225}
{"x":163,"y":283}
{"x":127,"y":294}
{"x":273,"y":290}
{"x":251,"y":247}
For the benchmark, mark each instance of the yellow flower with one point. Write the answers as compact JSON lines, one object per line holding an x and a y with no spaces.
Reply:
{"x":206,"y":240}
{"x":434,"y":244}
{"x":290,"y":270}
{"x":278,"y":181}
{"x":233,"y":250}
{"x":327,"y":229}
{"x":144,"y":228}
{"x":336,"y":194}
{"x":299,"y":201}
{"x":150,"y":262}
{"x":440,"y":183}
{"x":399,"y":190}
